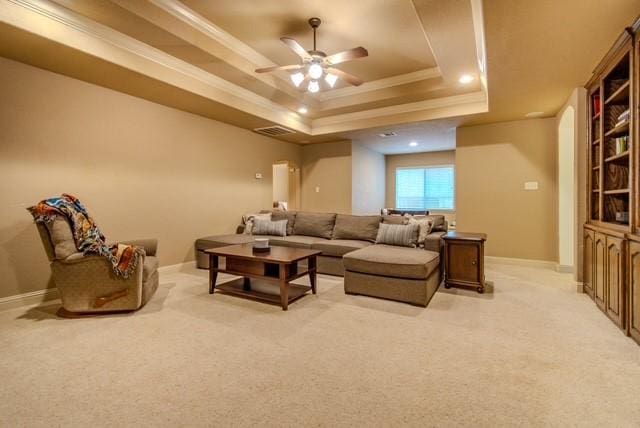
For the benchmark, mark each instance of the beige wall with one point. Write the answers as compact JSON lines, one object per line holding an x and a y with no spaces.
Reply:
{"x":446,"y":157}
{"x":143,"y":170}
{"x":368,"y":180}
{"x":492,"y":164}
{"x":326,"y":166}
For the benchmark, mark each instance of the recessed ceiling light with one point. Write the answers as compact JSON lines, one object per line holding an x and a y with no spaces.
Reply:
{"x":535,"y":114}
{"x":413,"y":144}
{"x":387,"y":134}
{"x":303,"y":110}
{"x":466,"y":78}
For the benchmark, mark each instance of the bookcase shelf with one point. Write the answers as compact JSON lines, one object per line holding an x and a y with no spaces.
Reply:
{"x":620,"y":95}
{"x":624,"y":156}
{"x":619,"y":130}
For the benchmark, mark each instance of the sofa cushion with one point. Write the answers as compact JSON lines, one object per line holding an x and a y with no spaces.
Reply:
{"x":314,"y":224}
{"x":268,"y":227}
{"x":394,"y":219}
{"x":222,"y":240}
{"x":389,"y":260}
{"x":398,"y":234}
{"x":434,"y":242}
{"x":296,"y":241}
{"x":62,"y":238}
{"x":358,"y":227}
{"x":149,"y":267}
{"x":339,"y":247}
{"x":290,"y":216}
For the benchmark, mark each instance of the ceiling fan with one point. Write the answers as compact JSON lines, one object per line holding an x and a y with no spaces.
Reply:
{"x":316,"y":64}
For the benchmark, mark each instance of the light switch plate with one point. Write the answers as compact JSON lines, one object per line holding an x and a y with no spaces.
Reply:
{"x":317,"y":189}
{"x":531,"y":185}
{"x":258,"y":176}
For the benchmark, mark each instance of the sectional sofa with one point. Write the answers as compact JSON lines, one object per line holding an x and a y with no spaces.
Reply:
{"x":348,"y":248}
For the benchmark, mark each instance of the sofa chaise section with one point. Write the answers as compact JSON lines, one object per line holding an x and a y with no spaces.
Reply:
{"x":410,"y":275}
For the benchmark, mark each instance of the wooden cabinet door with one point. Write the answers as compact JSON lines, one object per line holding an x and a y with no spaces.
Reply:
{"x":588,"y":262}
{"x":599,"y":248}
{"x":614,"y":280}
{"x":633,"y":318}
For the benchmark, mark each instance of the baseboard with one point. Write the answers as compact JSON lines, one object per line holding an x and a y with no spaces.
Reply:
{"x":580,"y":287}
{"x":564,"y":268}
{"x":520,"y":262}
{"x":177,"y":267}
{"x":29,"y":299}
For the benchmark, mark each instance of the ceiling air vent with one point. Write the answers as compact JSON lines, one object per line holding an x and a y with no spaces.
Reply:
{"x":274,"y":131}
{"x":388,"y":134}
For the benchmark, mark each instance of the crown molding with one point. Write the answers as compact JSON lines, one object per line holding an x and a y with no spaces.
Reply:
{"x":269,"y":109}
{"x":194,"y":19}
{"x":452,"y":101}
{"x":387,"y":82}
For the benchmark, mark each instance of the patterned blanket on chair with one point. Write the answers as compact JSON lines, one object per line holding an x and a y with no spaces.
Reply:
{"x":87,"y":236}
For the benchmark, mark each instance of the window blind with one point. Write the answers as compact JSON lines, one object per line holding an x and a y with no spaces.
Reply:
{"x":427,"y":188}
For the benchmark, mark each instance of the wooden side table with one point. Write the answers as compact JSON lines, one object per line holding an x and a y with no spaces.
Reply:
{"x":464,"y":260}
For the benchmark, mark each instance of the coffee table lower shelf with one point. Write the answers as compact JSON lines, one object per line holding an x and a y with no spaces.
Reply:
{"x":264,"y":291}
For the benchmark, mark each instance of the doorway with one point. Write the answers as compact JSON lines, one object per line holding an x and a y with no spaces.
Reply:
{"x":286,"y":184}
{"x":566,"y":191}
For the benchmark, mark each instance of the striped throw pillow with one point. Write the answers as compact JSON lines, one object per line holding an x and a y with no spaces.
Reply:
{"x":268,"y":227}
{"x":398,"y":234}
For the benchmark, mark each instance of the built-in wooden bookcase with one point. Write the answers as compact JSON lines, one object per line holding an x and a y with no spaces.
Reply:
{"x":610,"y":143}
{"x":611,"y":237}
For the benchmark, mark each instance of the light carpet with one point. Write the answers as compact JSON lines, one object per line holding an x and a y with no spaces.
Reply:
{"x":532,"y":352}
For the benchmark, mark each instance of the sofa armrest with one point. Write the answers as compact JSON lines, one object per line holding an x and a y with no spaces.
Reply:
{"x":150,"y":245}
{"x":434,"y":242}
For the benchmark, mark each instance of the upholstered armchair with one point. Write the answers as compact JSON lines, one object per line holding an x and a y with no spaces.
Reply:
{"x":87,"y":284}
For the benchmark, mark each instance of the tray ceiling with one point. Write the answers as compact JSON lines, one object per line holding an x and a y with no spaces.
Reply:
{"x":207,"y":52}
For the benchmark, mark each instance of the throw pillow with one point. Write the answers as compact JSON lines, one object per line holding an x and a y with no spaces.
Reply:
{"x":398,"y":234}
{"x":247,"y":220}
{"x":268,"y":227}
{"x":425,"y":224}
{"x":285,"y":215}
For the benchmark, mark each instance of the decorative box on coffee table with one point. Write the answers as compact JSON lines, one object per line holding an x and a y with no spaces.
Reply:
{"x":464,"y":260}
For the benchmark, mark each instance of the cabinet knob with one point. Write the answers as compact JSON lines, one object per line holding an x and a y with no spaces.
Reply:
{"x":473,"y":262}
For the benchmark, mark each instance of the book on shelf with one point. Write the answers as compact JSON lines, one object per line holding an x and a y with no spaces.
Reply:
{"x":596,"y":104}
{"x":623,"y":117}
{"x":621,"y":144}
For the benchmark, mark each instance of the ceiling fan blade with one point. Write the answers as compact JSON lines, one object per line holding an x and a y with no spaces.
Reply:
{"x":347,"y":55}
{"x":349,"y":78}
{"x":279,"y":67}
{"x":295,"y":46}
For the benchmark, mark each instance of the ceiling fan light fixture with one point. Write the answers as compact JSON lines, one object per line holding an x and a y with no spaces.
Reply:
{"x":313,"y":86}
{"x":315,"y":71}
{"x":297,"y":78}
{"x":331,"y":79}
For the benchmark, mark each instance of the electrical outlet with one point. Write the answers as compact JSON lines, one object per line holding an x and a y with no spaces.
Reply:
{"x":531,"y":185}
{"x":258,"y":176}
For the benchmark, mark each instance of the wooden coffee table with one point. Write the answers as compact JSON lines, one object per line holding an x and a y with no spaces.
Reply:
{"x":279,"y":265}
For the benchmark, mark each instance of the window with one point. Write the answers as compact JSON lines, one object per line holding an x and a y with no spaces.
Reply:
{"x":425,"y":188}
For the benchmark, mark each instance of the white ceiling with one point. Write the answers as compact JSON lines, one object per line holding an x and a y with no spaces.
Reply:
{"x":431,"y":136}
